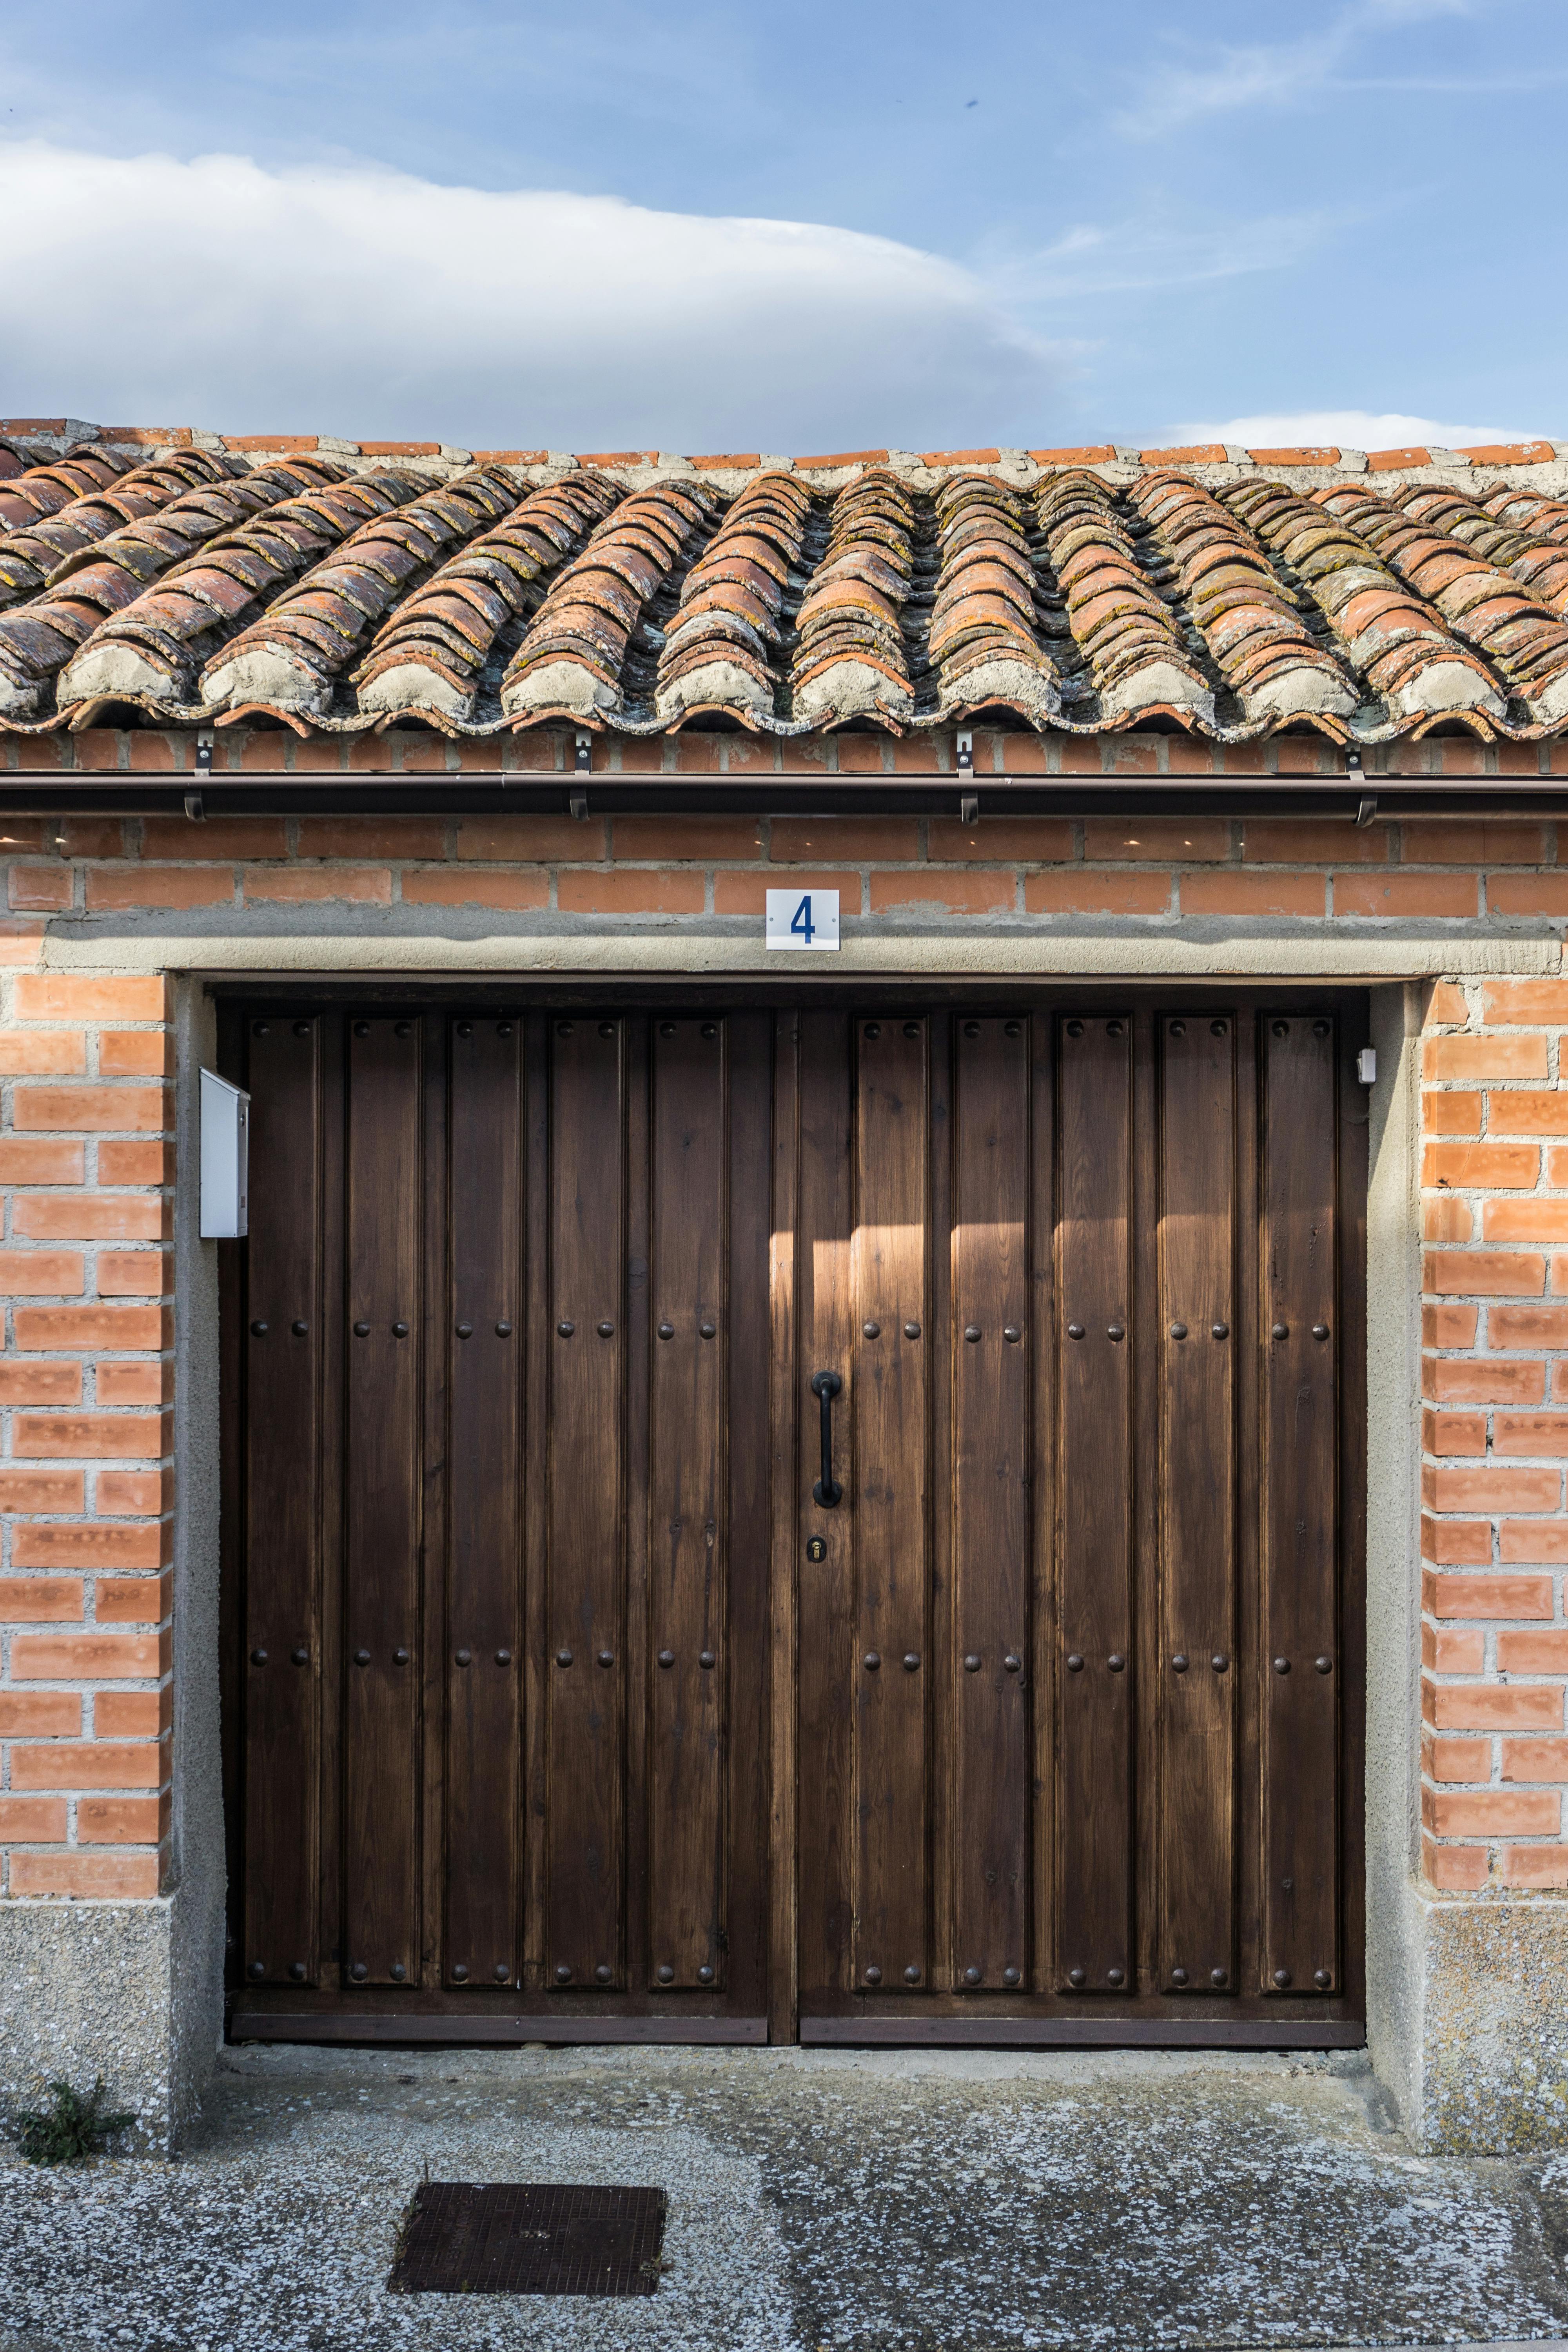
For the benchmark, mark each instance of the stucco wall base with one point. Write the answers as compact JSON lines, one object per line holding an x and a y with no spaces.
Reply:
{"x":1494,"y":2023}
{"x":89,"y":1989}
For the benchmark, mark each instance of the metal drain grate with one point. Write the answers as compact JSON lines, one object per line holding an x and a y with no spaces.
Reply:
{"x":507,"y":2238}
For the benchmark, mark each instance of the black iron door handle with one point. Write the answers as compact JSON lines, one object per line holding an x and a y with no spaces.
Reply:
{"x":824,"y":1387}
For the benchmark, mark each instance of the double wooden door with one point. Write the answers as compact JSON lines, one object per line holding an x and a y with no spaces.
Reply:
{"x":838,"y":1521}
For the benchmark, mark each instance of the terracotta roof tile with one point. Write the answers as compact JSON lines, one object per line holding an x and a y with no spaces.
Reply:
{"x":1389,"y":461}
{"x":157,"y":436}
{"x":984,"y":636}
{"x":1528,"y":509}
{"x":1249,"y":619}
{"x":1202,"y":453}
{"x":1509,"y":453}
{"x":842,"y":458}
{"x":53,"y":425}
{"x":619,"y":457}
{"x":573,"y":661}
{"x":1404,"y":650}
{"x":850,"y":660}
{"x":269,"y":441}
{"x":722,"y":646}
{"x":44,"y":490}
{"x":39,"y":557}
{"x":1133,"y":657}
{"x":1525,"y":641}
{"x":1294,"y":456}
{"x":1101,"y":454}
{"x":353,"y":586}
{"x":1521,"y":542}
{"x":290,"y":659}
{"x":151,"y":650}
{"x":431,"y":654}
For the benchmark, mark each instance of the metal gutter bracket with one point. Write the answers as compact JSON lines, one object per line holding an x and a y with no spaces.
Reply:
{"x":577,"y":800}
{"x":969,"y":803}
{"x":196,"y":805}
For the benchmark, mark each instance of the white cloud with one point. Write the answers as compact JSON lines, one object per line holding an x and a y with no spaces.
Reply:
{"x":1350,"y":428}
{"x":1248,"y":78}
{"x":365,"y":302}
{"x":1151,"y":253}
{"x":1268,"y":74}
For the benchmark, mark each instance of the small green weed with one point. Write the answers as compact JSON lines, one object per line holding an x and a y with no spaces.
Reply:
{"x":70,"y":2130}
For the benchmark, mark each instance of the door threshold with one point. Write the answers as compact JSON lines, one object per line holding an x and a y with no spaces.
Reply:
{"x":1082,"y":2032}
{"x":347,"y":2025}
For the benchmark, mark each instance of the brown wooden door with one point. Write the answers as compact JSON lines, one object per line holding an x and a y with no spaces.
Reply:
{"x":497,"y":1514}
{"x":1079,"y":1664}
{"x":560,"y":1707}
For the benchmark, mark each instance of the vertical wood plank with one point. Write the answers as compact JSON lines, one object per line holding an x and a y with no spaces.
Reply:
{"x":827,"y":1586}
{"x":586,"y":1807}
{"x":1040,"y":1033}
{"x":381,"y":1547}
{"x":785,"y":1388}
{"x":434,"y":1365}
{"x":943,"y":1641}
{"x":887,"y":1392}
{"x":336,"y":1342}
{"x":1143,"y":1660}
{"x":689,"y":1562}
{"x":232,"y":1028}
{"x":282,"y":1503}
{"x":481,"y":1339}
{"x":1095,"y":1504}
{"x":742,"y":1938}
{"x":1353,"y":1031}
{"x":1195,"y":1348}
{"x":536,"y":1341}
{"x":1249,"y":1571}
{"x":1300,"y":1735}
{"x":637,"y":1419}
{"x":989,"y":1350}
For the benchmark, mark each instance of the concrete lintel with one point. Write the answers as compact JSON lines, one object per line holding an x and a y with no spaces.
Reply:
{"x":959,"y":955}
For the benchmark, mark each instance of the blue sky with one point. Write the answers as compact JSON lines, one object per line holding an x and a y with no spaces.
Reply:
{"x":710,"y":227}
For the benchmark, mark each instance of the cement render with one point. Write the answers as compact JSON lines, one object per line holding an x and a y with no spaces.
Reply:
{"x":306,"y":943}
{"x":85,"y":1990}
{"x":1396,"y":1943}
{"x":198,"y":1861}
{"x":1495,"y":2039}
{"x":819,"y":2202}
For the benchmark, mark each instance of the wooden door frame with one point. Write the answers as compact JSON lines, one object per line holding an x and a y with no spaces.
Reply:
{"x":246,"y":996}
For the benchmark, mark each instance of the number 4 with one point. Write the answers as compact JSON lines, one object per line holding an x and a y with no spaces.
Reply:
{"x":802,"y":926}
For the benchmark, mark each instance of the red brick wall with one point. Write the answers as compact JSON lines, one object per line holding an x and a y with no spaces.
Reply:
{"x":1494,"y":1630}
{"x":1292,"y":871}
{"x":86,"y":1163}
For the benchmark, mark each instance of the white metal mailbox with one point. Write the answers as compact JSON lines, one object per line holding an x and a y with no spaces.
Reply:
{"x":226,"y":1158}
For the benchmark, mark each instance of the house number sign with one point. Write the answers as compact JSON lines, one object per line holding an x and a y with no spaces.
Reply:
{"x":803,"y":919}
